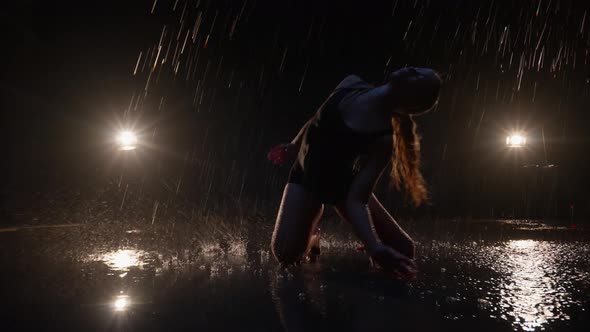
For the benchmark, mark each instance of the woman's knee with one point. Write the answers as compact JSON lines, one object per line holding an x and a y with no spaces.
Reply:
{"x":298,"y":213}
{"x":286,"y":253}
{"x":285,"y":245}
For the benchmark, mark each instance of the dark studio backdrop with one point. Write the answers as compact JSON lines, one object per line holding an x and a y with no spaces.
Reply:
{"x":220,"y":82}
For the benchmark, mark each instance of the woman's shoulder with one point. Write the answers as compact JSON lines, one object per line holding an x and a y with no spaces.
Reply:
{"x":356,"y":86}
{"x":352,"y":81}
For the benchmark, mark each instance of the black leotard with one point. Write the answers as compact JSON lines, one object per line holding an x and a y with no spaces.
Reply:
{"x":331,"y":153}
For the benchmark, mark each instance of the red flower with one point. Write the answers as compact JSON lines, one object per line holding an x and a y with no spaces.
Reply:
{"x":280,"y":153}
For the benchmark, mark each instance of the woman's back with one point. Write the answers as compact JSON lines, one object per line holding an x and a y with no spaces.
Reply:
{"x":331,"y":152}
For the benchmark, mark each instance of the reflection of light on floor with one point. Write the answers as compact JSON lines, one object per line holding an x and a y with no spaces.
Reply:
{"x":122,"y":260}
{"x":531,"y":295}
{"x":522,"y":244}
{"x":121,"y":303}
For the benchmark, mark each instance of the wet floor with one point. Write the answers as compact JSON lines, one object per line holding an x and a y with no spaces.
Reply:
{"x":474,"y":275}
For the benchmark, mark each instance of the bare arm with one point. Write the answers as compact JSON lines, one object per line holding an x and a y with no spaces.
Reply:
{"x":297,"y":139}
{"x":359,"y":214}
{"x":361,"y":189}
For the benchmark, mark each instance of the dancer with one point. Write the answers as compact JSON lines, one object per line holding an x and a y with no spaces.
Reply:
{"x":341,"y":153}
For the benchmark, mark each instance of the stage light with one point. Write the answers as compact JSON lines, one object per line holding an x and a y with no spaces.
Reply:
{"x":127,"y":140}
{"x":515,"y":141}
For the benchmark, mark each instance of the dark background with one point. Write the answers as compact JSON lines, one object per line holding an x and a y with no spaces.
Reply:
{"x":68,"y":86}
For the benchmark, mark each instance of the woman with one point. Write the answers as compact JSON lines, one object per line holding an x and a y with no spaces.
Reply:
{"x":342,"y":151}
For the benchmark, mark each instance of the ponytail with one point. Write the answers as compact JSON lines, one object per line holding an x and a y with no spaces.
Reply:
{"x":406,"y":159}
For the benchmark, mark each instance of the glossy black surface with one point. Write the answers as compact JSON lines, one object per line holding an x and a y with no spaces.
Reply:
{"x":484,"y":276}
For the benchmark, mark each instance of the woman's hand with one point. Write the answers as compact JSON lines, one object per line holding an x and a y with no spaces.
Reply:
{"x":391,"y":260}
{"x":281,"y":153}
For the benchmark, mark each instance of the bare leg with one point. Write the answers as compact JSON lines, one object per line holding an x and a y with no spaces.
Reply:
{"x":299,"y":214}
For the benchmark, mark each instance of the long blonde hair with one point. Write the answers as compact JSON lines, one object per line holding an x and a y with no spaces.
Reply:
{"x":405,"y":159}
